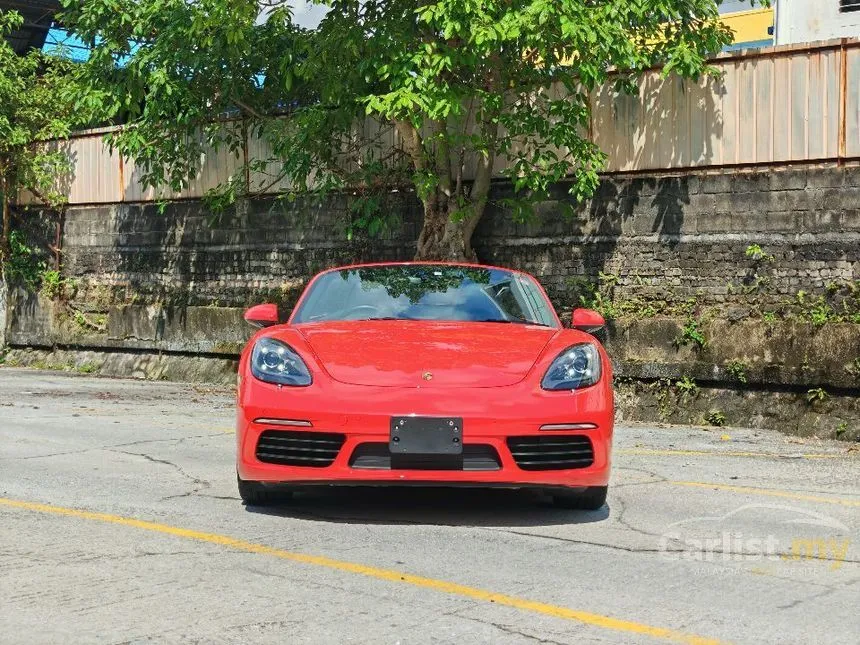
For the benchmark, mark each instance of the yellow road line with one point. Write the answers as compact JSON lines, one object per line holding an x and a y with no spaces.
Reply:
{"x":722,"y":453}
{"x":389,"y":575}
{"x":770,"y":493}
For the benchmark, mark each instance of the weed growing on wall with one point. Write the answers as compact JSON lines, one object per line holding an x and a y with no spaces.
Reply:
{"x":839,"y":302}
{"x":687,"y":388}
{"x":25,"y":266}
{"x":755,"y":253}
{"x":692,"y":334}
{"x":715,"y":418}
{"x":816,"y":395}
{"x":737,"y":370}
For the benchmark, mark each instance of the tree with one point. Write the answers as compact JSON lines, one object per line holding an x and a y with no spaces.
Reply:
{"x":471,"y":88}
{"x":40,"y":103}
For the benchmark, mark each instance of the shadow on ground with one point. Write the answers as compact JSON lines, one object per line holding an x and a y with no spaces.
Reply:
{"x":431,"y":506}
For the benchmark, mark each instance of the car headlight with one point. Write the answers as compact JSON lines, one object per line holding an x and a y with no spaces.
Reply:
{"x":275,"y":362}
{"x":575,"y":367}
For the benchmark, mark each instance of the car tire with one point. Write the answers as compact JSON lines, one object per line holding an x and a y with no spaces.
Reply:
{"x":257,"y":494}
{"x":591,"y":499}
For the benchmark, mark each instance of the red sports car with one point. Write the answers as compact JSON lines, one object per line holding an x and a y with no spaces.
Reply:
{"x":424,"y":374}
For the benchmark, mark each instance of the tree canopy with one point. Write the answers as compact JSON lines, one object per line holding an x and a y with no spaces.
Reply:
{"x":41,"y":101}
{"x":472,"y":88}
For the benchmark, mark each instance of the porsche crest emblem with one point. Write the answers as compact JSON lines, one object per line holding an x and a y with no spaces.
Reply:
{"x":427,"y":376}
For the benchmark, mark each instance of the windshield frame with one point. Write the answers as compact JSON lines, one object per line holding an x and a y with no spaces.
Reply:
{"x":555,"y":320}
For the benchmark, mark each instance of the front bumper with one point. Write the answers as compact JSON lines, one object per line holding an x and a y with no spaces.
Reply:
{"x":361,"y":415}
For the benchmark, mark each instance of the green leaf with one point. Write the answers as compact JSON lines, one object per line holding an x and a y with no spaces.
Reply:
{"x":461,"y":81}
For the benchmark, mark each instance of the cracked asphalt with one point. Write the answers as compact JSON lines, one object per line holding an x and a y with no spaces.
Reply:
{"x":120,"y":523}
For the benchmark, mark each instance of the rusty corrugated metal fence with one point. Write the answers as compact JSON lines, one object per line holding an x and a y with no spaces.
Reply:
{"x":770,"y":107}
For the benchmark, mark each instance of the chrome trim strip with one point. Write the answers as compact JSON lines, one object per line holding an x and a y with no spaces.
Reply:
{"x":569,"y":426}
{"x":296,"y":423}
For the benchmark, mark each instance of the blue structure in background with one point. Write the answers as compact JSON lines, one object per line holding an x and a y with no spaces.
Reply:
{"x":60,"y":40}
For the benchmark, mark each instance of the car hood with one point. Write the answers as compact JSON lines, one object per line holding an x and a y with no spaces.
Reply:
{"x":403,"y":353}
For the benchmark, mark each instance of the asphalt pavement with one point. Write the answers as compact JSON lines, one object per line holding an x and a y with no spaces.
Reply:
{"x":120,"y":523}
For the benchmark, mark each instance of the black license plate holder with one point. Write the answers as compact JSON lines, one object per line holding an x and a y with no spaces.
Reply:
{"x":426,"y":436}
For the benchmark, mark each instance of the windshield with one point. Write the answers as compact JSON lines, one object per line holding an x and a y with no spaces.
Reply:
{"x":426,"y":292}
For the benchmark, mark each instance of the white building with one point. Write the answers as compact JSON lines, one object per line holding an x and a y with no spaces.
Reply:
{"x":803,"y":21}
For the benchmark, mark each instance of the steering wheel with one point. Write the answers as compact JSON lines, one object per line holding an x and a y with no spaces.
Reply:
{"x":355,"y":312}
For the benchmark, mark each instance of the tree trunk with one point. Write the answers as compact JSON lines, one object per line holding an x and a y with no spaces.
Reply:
{"x":4,"y":299}
{"x":7,"y":222}
{"x":4,"y":256}
{"x":444,"y":239}
{"x":451,"y":214}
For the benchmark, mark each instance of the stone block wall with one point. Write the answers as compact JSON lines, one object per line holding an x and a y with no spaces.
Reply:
{"x":163,"y":289}
{"x":263,"y":248}
{"x":670,"y":239}
{"x":661,"y":239}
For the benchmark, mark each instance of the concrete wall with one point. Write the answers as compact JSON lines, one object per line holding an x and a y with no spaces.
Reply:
{"x":160,"y":294}
{"x":3,"y":310}
{"x":797,"y":378}
{"x":674,"y":238}
{"x":663,"y":239}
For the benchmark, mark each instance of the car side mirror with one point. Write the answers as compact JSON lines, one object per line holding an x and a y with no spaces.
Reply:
{"x":587,"y":320}
{"x":260,"y":316}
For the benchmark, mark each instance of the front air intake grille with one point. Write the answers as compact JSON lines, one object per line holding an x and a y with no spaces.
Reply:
{"x":303,"y":448}
{"x":377,"y":456}
{"x":551,"y":453}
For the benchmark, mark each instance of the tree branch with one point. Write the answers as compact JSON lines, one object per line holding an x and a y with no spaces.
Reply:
{"x":480,"y":190}
{"x":443,"y":156}
{"x":484,"y":174}
{"x":461,"y":158}
{"x":246,"y":108}
{"x":411,"y":143}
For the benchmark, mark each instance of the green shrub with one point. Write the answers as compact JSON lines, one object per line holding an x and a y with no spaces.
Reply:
{"x":816,"y":395}
{"x":738,"y":370}
{"x":692,"y":334}
{"x":715,"y":418}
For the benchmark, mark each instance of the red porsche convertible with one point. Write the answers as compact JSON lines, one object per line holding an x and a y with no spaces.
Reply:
{"x":424,"y":374}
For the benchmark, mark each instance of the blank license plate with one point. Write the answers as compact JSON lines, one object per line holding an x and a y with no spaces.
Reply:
{"x":426,"y":436}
